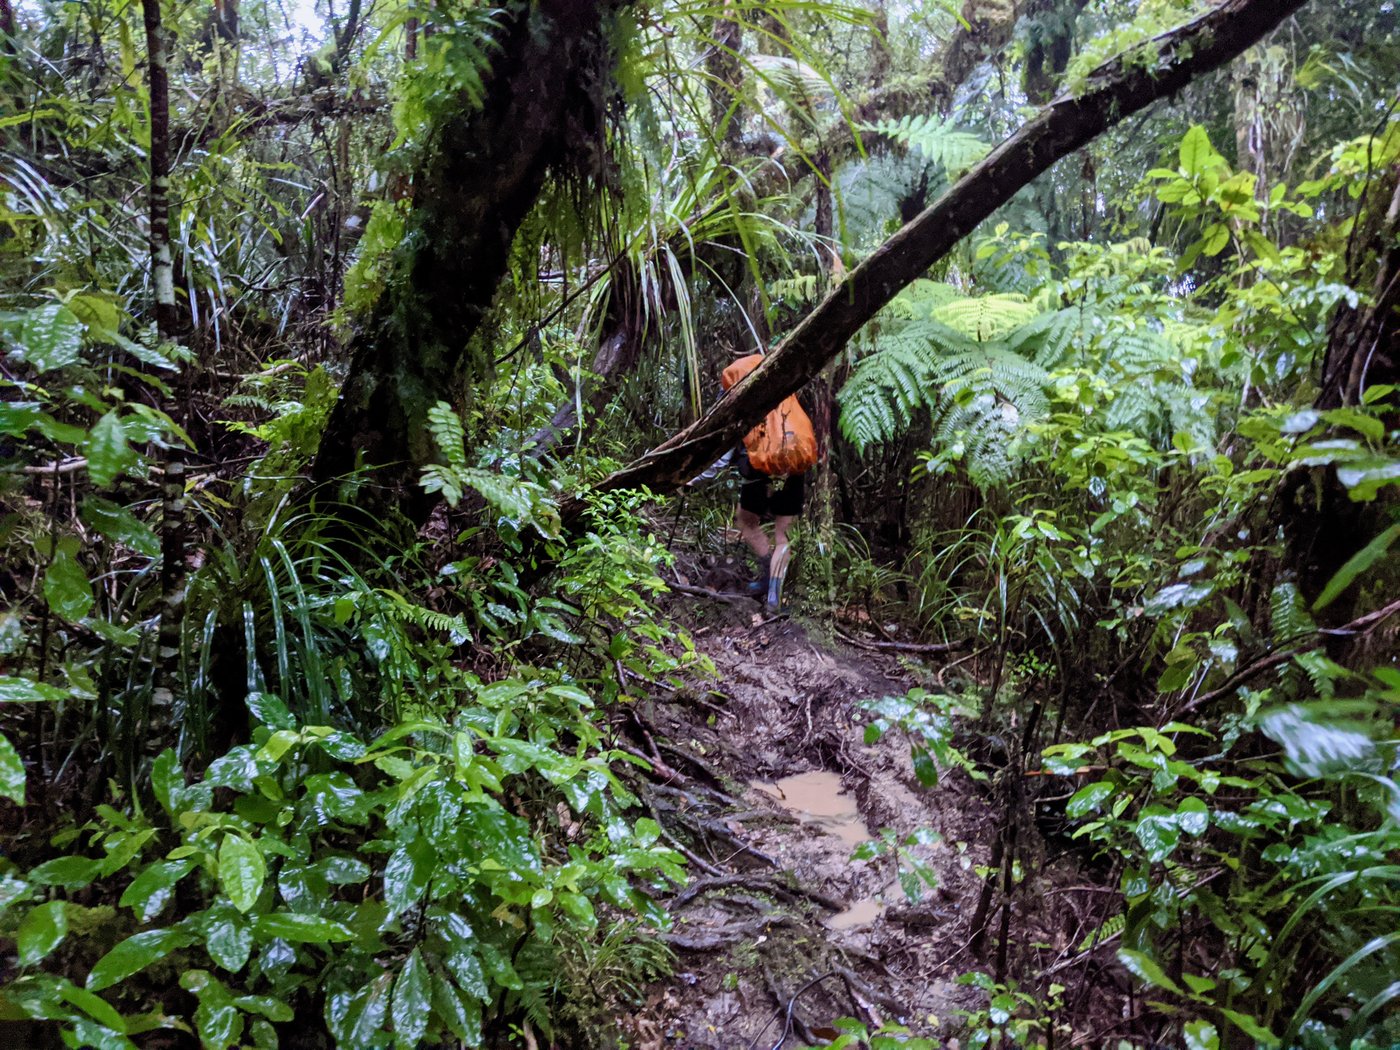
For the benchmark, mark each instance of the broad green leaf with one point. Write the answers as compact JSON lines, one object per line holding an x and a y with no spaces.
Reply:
{"x":1088,"y":799}
{"x":11,"y":772}
{"x":48,"y":337}
{"x":1252,"y":1028}
{"x":228,"y":937}
{"x":406,"y":875}
{"x":459,"y":1011}
{"x":1358,"y":563}
{"x":1201,"y":1035}
{"x":1196,"y":151}
{"x":72,"y":873}
{"x":119,"y":525}
{"x":1145,"y":968}
{"x":265,"y":1006}
{"x":93,"y":1005}
{"x":42,"y":930}
{"x":133,"y":955}
{"x":460,"y":957}
{"x":299,"y":929}
{"x":1192,"y":816}
{"x":357,"y":1019}
{"x":168,"y":780}
{"x":242,"y":871}
{"x":107,"y":451}
{"x":217,"y":1020}
{"x":151,"y":891}
{"x":412,"y":1002}
{"x":66,"y":586}
{"x":1159,"y":835}
{"x":24,"y":690}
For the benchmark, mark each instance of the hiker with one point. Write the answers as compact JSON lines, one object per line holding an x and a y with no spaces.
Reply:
{"x":772,"y":459}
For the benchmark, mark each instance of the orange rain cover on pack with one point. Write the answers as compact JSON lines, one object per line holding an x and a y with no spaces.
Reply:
{"x":784,"y":444}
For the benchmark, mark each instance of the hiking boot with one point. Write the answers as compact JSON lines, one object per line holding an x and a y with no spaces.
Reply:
{"x":758,"y":588}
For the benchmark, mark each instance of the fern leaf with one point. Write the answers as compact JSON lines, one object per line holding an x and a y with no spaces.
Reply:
{"x":955,"y":151}
{"x":986,"y":317}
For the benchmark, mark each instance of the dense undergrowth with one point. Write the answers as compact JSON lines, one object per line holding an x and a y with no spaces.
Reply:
{"x":281,"y":772}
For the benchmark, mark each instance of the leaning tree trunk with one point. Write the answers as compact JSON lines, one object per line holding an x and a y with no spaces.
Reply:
{"x":550,"y":67}
{"x":1117,"y":90}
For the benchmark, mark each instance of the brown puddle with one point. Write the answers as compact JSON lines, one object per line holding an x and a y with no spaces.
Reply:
{"x":818,"y":798}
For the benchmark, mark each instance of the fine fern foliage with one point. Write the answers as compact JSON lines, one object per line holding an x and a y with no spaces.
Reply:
{"x":521,"y":502}
{"x":952,"y":150}
{"x":979,"y":393}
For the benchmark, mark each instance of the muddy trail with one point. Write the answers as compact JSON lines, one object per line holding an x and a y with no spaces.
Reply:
{"x":764,"y":780}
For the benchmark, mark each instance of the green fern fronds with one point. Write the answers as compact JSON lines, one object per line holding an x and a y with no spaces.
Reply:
{"x":986,"y":317}
{"x":920,"y":299}
{"x":954,"y":150}
{"x":1289,"y":614}
{"x":446,"y":428}
{"x":1052,"y":339}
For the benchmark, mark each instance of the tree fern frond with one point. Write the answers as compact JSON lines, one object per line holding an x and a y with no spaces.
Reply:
{"x":986,"y":317}
{"x":1053,"y":338}
{"x":954,"y":150}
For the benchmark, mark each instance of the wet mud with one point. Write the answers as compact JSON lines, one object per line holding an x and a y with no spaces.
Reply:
{"x":796,"y":916}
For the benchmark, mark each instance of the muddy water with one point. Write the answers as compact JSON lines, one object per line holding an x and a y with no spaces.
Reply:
{"x":818,"y":799}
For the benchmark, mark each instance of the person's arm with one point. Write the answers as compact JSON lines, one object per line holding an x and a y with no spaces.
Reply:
{"x":712,"y":471}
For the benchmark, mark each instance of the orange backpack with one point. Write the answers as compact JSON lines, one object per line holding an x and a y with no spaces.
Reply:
{"x":784,"y":443}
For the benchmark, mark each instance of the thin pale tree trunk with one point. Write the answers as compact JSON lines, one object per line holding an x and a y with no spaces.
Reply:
{"x":172,"y":540}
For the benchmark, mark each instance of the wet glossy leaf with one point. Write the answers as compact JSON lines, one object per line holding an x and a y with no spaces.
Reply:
{"x":72,"y":873}
{"x":1088,"y":799}
{"x":357,"y":1018}
{"x":459,"y":1011}
{"x":107,"y":451}
{"x":1319,"y":740}
{"x":167,"y":780}
{"x":242,"y":871}
{"x":411,"y":1001}
{"x":1145,"y":968}
{"x":1192,"y":816}
{"x":66,"y":586}
{"x":227,"y":937}
{"x":119,"y":525}
{"x":1159,"y":835}
{"x":1201,"y":1035}
{"x":42,"y":930}
{"x":133,"y":955}
{"x":406,"y":875}
{"x":11,"y":772}
{"x":24,"y":691}
{"x":48,"y":337}
{"x":151,"y":891}
{"x":303,"y":929}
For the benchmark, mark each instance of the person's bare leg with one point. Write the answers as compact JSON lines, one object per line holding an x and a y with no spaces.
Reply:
{"x":751,"y":529}
{"x":781,"y":524}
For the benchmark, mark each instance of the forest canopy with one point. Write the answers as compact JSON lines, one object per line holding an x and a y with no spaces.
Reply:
{"x":375,"y":671}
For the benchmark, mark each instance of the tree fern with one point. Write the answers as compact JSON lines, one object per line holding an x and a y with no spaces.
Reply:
{"x":955,"y":151}
{"x":986,"y":317}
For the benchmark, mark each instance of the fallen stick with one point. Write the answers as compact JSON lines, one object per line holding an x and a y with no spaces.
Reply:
{"x":922,"y":648}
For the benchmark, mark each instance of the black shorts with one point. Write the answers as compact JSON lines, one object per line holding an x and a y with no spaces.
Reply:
{"x":773,"y":497}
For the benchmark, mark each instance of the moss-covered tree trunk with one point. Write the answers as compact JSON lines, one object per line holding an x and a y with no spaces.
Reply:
{"x":544,"y":98}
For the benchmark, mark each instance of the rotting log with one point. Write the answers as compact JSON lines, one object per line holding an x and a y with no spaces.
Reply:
{"x":1118,"y":89}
